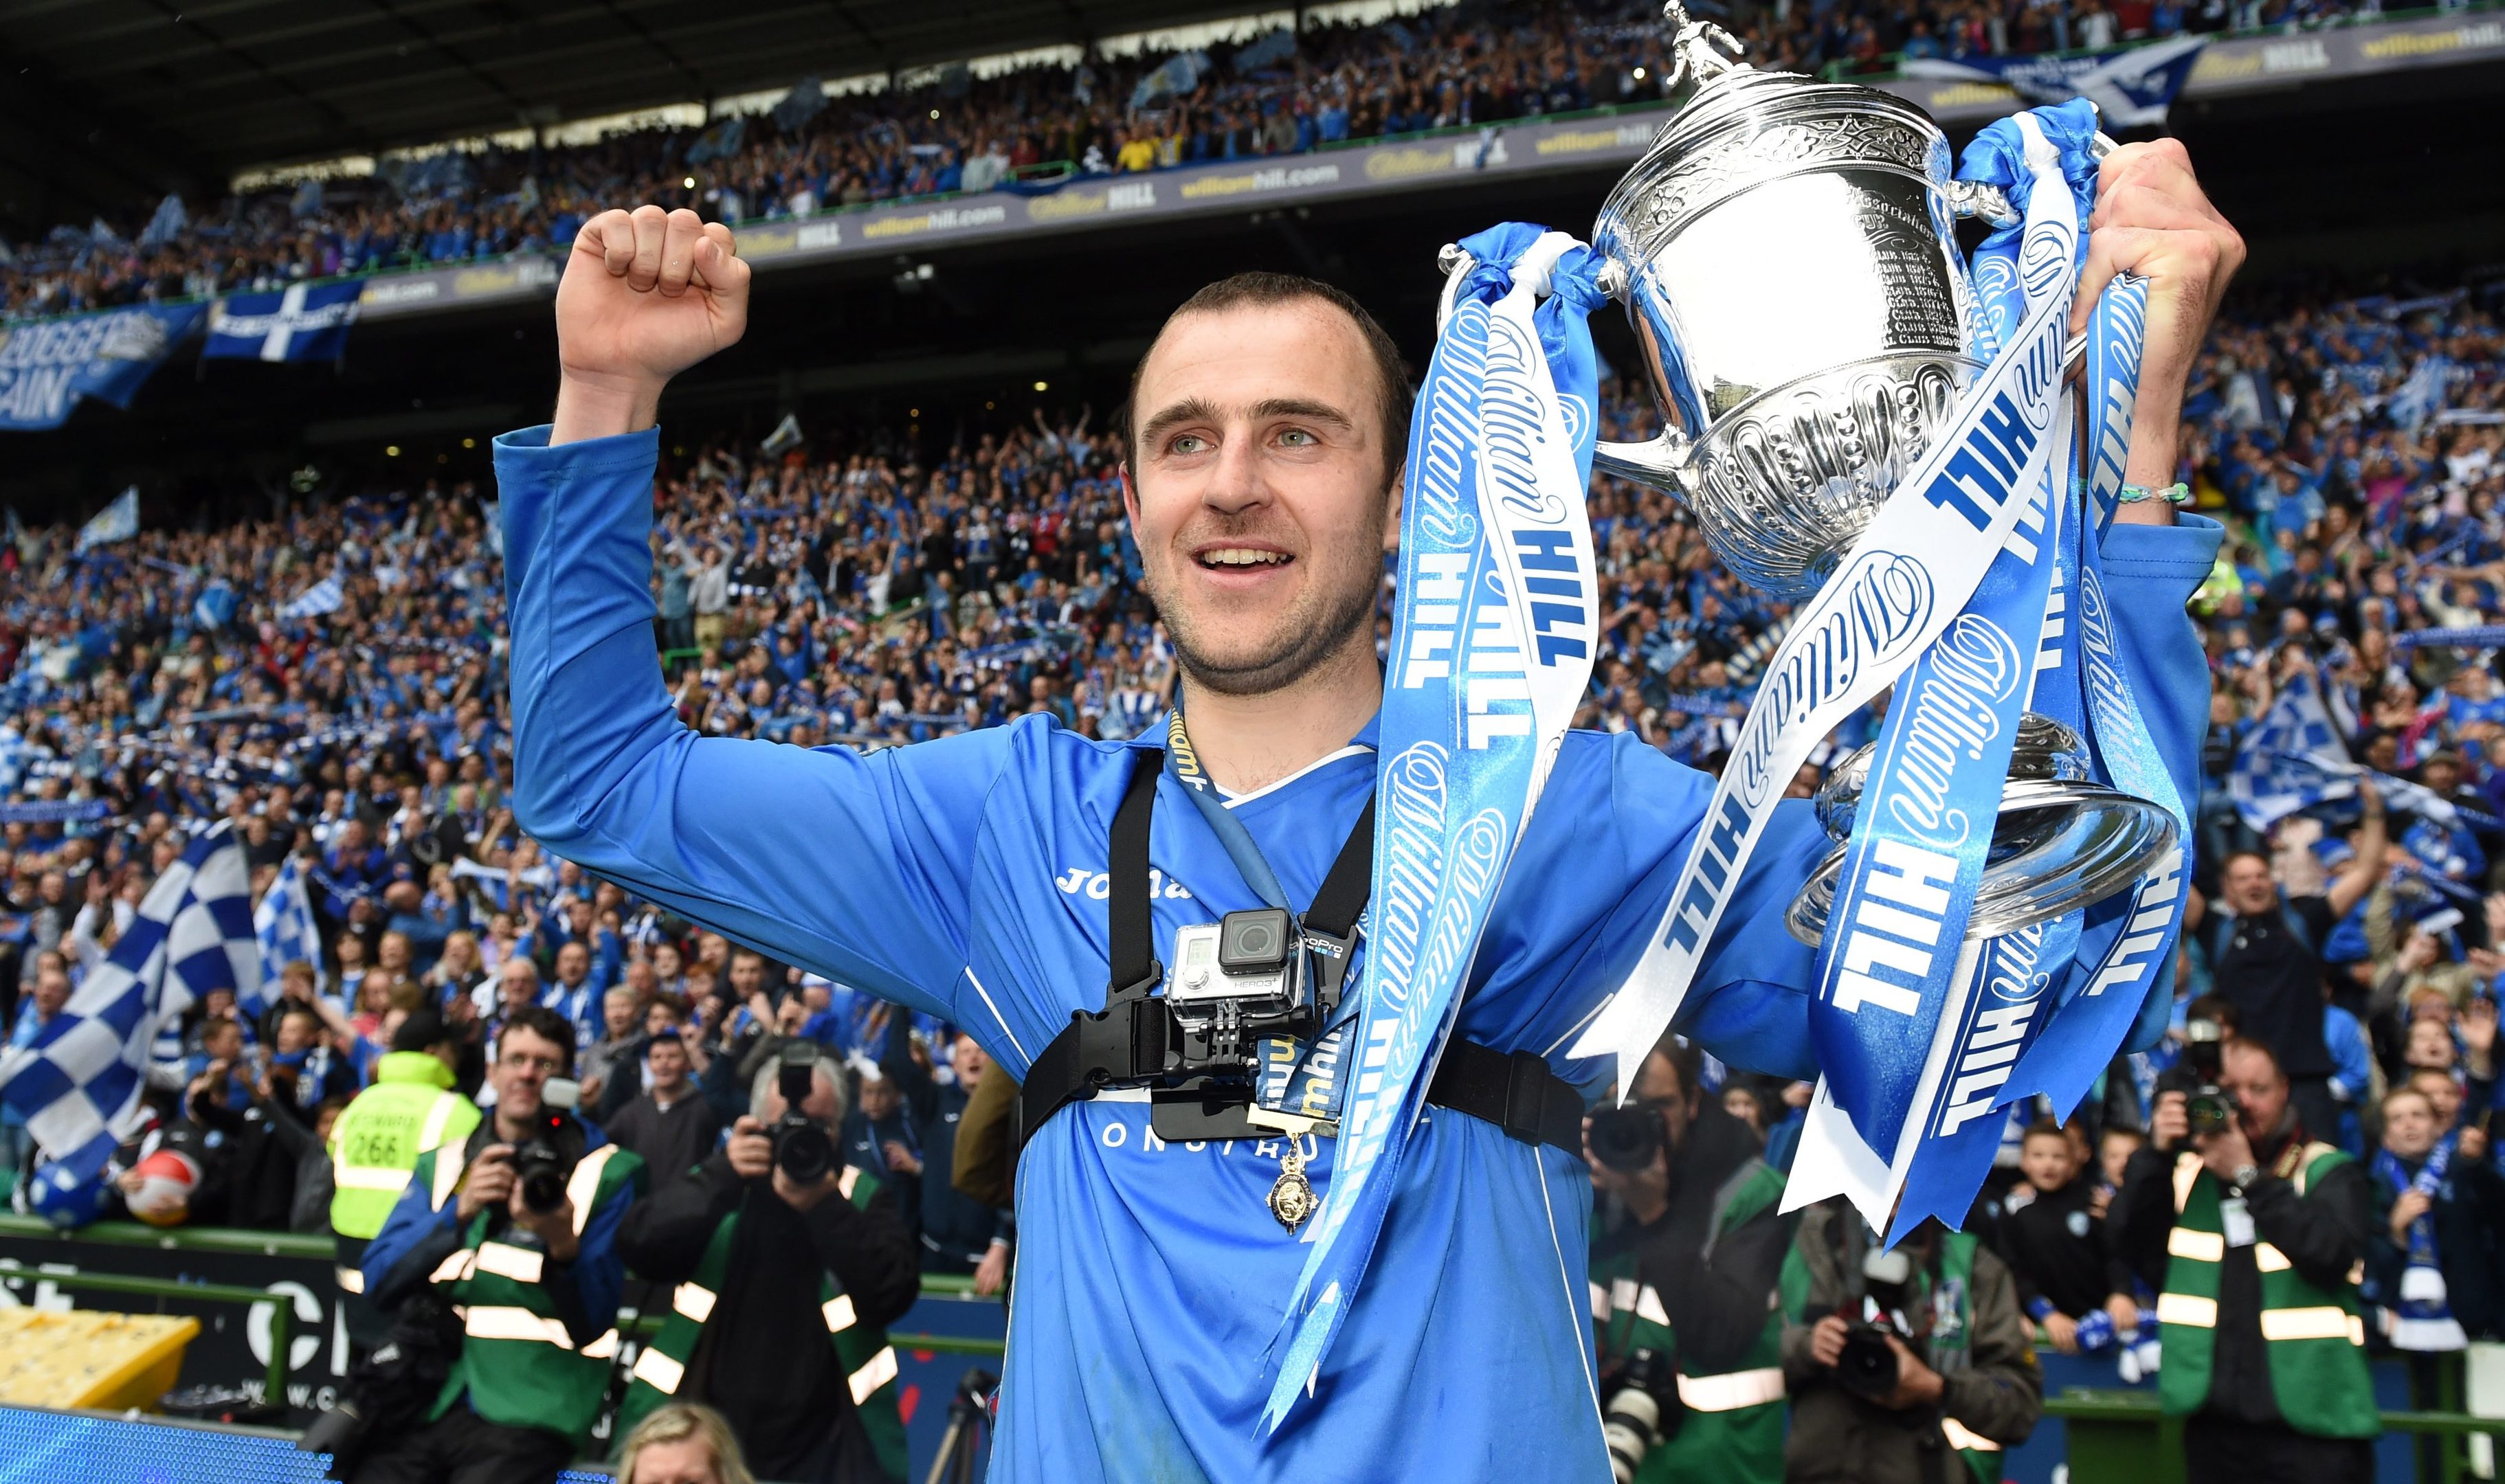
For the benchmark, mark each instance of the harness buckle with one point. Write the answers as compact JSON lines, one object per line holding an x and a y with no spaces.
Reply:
{"x":1129,"y":1039}
{"x":1526,"y":1095}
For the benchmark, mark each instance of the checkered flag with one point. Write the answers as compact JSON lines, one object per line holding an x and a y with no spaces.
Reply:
{"x":2292,"y":761}
{"x":284,"y":927}
{"x":78,"y":1084}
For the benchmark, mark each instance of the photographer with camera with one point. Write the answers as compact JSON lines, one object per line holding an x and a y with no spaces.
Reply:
{"x":1689,"y":1245}
{"x":785,"y":1264}
{"x":516,"y":1230}
{"x":1902,"y":1359}
{"x":2252,"y":1231}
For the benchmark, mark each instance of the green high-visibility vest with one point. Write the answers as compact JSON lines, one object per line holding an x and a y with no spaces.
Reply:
{"x":517,"y":1364}
{"x":867,"y":1360}
{"x":411,"y":1109}
{"x":2313,"y":1337}
{"x":1734,"y":1426}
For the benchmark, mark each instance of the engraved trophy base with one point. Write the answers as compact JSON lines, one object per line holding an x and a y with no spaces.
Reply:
{"x":2060,"y":842}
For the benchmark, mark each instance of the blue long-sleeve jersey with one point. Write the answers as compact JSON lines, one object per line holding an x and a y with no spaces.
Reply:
{"x":967,"y":877}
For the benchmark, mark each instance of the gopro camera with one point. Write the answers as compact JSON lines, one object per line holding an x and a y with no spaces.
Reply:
{"x":1239,"y":979}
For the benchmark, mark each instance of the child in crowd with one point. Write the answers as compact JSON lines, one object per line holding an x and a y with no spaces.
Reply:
{"x":2054,"y":1244}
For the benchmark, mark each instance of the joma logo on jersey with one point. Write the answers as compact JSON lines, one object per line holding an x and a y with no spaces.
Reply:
{"x":1096,"y":885}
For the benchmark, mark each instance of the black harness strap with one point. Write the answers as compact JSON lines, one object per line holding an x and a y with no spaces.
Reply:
{"x":1131,"y":938}
{"x":1134,"y":1041}
{"x":1132,"y":1038}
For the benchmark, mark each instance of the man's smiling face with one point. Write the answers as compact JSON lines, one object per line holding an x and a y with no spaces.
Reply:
{"x":1261,"y":489}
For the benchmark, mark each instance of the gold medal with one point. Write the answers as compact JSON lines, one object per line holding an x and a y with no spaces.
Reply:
{"x":1291,"y":1197}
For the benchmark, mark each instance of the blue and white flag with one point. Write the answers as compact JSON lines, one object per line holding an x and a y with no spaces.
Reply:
{"x":169,"y":223}
{"x":78,"y":1084}
{"x":214,"y":608}
{"x":1175,"y":77}
{"x":1268,"y":51}
{"x":1492,"y":638}
{"x":2423,"y":396}
{"x":323,"y":597}
{"x":115,"y":521}
{"x":304,"y":321}
{"x":47,"y":365}
{"x":807,"y":100}
{"x":284,"y":927}
{"x":2133,"y":87}
{"x":2292,"y":761}
{"x":2469,"y":637}
{"x":718,"y":142}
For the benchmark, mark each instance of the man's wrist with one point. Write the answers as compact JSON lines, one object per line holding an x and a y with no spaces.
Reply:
{"x":594,"y":407}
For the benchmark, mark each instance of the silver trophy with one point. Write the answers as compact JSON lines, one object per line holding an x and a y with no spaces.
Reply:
{"x":1786,"y":250}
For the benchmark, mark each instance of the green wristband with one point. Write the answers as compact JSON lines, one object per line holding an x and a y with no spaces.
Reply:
{"x":2177,"y":493}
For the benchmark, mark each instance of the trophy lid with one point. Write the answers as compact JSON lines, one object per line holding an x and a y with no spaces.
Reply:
{"x":1743,"y":125}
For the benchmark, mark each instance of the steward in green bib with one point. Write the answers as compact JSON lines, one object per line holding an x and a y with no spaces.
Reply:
{"x":782,"y":1267}
{"x":1683,"y":1277}
{"x":375,"y":1142}
{"x":2254,"y":1236}
{"x":1911,"y":1366}
{"x":517,"y":1229}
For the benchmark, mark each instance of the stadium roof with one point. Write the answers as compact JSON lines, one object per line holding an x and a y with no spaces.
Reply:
{"x":108,"y":101}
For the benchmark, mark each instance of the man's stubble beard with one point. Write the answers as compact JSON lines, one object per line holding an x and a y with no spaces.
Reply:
{"x":1315,"y":631}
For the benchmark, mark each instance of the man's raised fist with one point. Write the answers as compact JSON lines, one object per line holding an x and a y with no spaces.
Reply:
{"x":647,"y":294}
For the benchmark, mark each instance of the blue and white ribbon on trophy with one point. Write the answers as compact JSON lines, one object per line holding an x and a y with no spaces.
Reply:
{"x":1924,"y":1036}
{"x":1494,"y":631}
{"x":2126,"y":943}
{"x":1896,"y":972}
{"x":1923,"y":556}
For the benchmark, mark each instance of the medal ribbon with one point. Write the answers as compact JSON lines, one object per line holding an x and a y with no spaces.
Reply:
{"x":1493,"y":637}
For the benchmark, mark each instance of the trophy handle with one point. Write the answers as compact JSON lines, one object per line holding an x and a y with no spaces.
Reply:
{"x":1966,"y":198}
{"x":1664,"y":463}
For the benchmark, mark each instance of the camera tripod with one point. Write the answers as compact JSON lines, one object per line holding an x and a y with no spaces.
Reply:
{"x":967,"y":1413}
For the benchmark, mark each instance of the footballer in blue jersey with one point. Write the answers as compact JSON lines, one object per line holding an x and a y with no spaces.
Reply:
{"x":968,"y":877}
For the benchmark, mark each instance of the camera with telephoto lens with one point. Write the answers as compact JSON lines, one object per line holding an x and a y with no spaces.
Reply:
{"x":1643,"y":1411}
{"x":803,"y":1150}
{"x":542,"y":1170}
{"x":544,"y":1161}
{"x":2207,"y":1106}
{"x":1868,"y":1367}
{"x":1626,"y":1137}
{"x":1240,"y":981}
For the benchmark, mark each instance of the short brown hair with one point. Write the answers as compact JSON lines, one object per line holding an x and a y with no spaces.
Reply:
{"x":1261,"y":290}
{"x":2408,"y":1089}
{"x":547,"y":1025}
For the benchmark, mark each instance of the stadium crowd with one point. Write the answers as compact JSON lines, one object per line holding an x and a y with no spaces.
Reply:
{"x":343,"y":704}
{"x":1032,"y":127}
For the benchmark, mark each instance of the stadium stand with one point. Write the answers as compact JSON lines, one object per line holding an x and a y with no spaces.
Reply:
{"x":966,"y":135}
